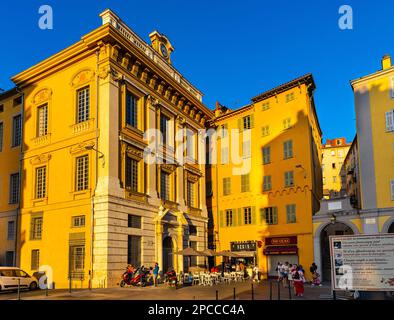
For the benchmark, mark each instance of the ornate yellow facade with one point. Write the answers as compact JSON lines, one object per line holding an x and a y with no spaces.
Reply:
{"x":90,"y":202}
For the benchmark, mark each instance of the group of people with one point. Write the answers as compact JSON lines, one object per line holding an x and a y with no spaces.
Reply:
{"x":293,"y":275}
{"x":152,"y":276}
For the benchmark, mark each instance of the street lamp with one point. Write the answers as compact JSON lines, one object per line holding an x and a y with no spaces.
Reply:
{"x":299,"y":166}
{"x":91,"y":147}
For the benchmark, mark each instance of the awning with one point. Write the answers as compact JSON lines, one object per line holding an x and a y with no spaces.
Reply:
{"x":271,"y":250}
{"x":245,"y":254}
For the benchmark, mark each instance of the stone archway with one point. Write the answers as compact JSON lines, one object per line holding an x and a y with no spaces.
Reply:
{"x":338,"y":228}
{"x":168,"y":254}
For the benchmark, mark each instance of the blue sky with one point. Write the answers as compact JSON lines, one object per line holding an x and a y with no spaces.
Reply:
{"x":230,"y":50}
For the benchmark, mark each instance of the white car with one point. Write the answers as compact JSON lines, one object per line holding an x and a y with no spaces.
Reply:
{"x":10,"y":276}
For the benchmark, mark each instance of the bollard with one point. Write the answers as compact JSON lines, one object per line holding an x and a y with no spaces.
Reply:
{"x":252,"y":292}
{"x":334,"y":295}
{"x":217,"y":295}
{"x":278,"y":290}
{"x":270,"y":290}
{"x":19,"y":288}
{"x":289,"y":291}
{"x":234,"y":293}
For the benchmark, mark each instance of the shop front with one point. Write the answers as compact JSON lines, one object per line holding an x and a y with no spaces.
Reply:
{"x":280,"y":249}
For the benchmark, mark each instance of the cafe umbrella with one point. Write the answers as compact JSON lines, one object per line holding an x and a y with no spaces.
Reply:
{"x":189,"y":252}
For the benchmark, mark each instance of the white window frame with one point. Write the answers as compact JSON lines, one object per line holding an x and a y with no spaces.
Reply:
{"x":389,"y":115}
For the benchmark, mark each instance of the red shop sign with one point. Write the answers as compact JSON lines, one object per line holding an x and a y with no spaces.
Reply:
{"x":281,"y":241}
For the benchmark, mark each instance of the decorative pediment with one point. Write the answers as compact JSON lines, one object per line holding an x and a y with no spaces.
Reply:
{"x":40,"y":159}
{"x":82,"y":77}
{"x":192,"y":177}
{"x":169,"y":168}
{"x":134,"y":153}
{"x":42,"y":96}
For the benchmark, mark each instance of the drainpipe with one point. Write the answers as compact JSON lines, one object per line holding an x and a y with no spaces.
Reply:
{"x":96,"y":171}
{"x":18,"y":210}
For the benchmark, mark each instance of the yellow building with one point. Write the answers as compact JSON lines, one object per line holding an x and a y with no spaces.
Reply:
{"x":369,"y":165}
{"x":267,"y":182}
{"x":91,"y":200}
{"x":334,"y":176}
{"x":10,"y":147}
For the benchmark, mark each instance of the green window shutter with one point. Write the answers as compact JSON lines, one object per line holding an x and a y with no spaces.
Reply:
{"x":290,"y":148}
{"x":253,"y":215}
{"x":240,"y":217}
{"x":221,"y":217}
{"x":240,"y":125}
{"x":251,"y":121}
{"x":262,"y":216}
{"x":275,"y":215}
{"x":235,"y":217}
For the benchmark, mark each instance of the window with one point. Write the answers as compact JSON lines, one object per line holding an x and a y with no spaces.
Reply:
{"x":9,"y":258}
{"x":14,"y":188}
{"x":390,"y":120}
{"x":291,"y":213}
{"x":288,"y":149}
{"x":164,"y":128}
{"x":83,"y":100}
{"x":35,"y":259}
{"x":131,"y":109}
{"x":265,"y":106}
{"x":77,"y":261}
{"x":41,"y":176}
{"x":36,"y":228}
{"x":224,"y":155}
{"x":247,"y":215}
{"x":1,"y":135}
{"x":266,"y":155}
{"x":333,"y":165}
{"x":11,"y":230}
{"x":131,"y":174}
{"x":229,"y":218}
{"x":246,"y":149}
{"x":134,"y":250}
{"x":265,"y":131}
{"x":289,"y":178}
{"x":224,"y":130}
{"x":82,"y":174}
{"x":78,"y":221}
{"x":269,"y":215}
{"x":190,"y":194}
{"x":290,"y":97}
{"x":16,"y":131}
{"x":392,"y":189}
{"x":133,"y":221}
{"x":267,"y":183}
{"x":246,"y":122}
{"x":42,"y":120}
{"x":245,"y":183}
{"x":226,"y":186}
{"x":164,"y":185}
{"x":192,"y":230}
{"x":287,"y":123}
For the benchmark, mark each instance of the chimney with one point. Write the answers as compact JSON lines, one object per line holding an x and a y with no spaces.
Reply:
{"x":386,"y":62}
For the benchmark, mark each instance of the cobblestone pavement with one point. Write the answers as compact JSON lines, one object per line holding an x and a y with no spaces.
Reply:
{"x":243,"y":291}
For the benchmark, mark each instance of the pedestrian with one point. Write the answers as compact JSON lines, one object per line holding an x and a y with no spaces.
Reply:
{"x":256,"y":274}
{"x":290,"y":274}
{"x":285,"y":273}
{"x":279,"y":271}
{"x":155,"y":273}
{"x":298,"y":283}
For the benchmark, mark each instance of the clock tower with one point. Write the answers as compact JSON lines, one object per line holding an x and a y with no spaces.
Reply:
{"x":162,"y":45}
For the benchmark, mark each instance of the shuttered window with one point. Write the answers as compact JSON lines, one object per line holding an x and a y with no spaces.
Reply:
{"x":266,"y":155}
{"x":41,"y":176}
{"x":229,"y":218}
{"x":190,"y":194}
{"x":164,"y":185}
{"x":14,"y":188}
{"x":288,"y":149}
{"x":82,"y":173}
{"x":291,"y":213}
{"x":245,"y":183}
{"x":226,"y":186}
{"x":265,"y":131}
{"x":131,"y":174}
{"x":267,"y":183}
{"x":16,"y":131}
{"x":35,"y":259}
{"x":36,"y":228}
{"x":289,"y":178}
{"x":269,"y":215}
{"x":42,"y":120}
{"x":131,"y":109}
{"x":390,"y":120}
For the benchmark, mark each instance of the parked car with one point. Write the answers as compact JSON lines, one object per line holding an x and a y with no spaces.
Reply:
{"x":9,"y":279}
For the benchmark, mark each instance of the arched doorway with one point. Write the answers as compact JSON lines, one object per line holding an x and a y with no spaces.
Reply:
{"x":168,"y":254}
{"x":332,"y":229}
{"x":391,"y":228}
